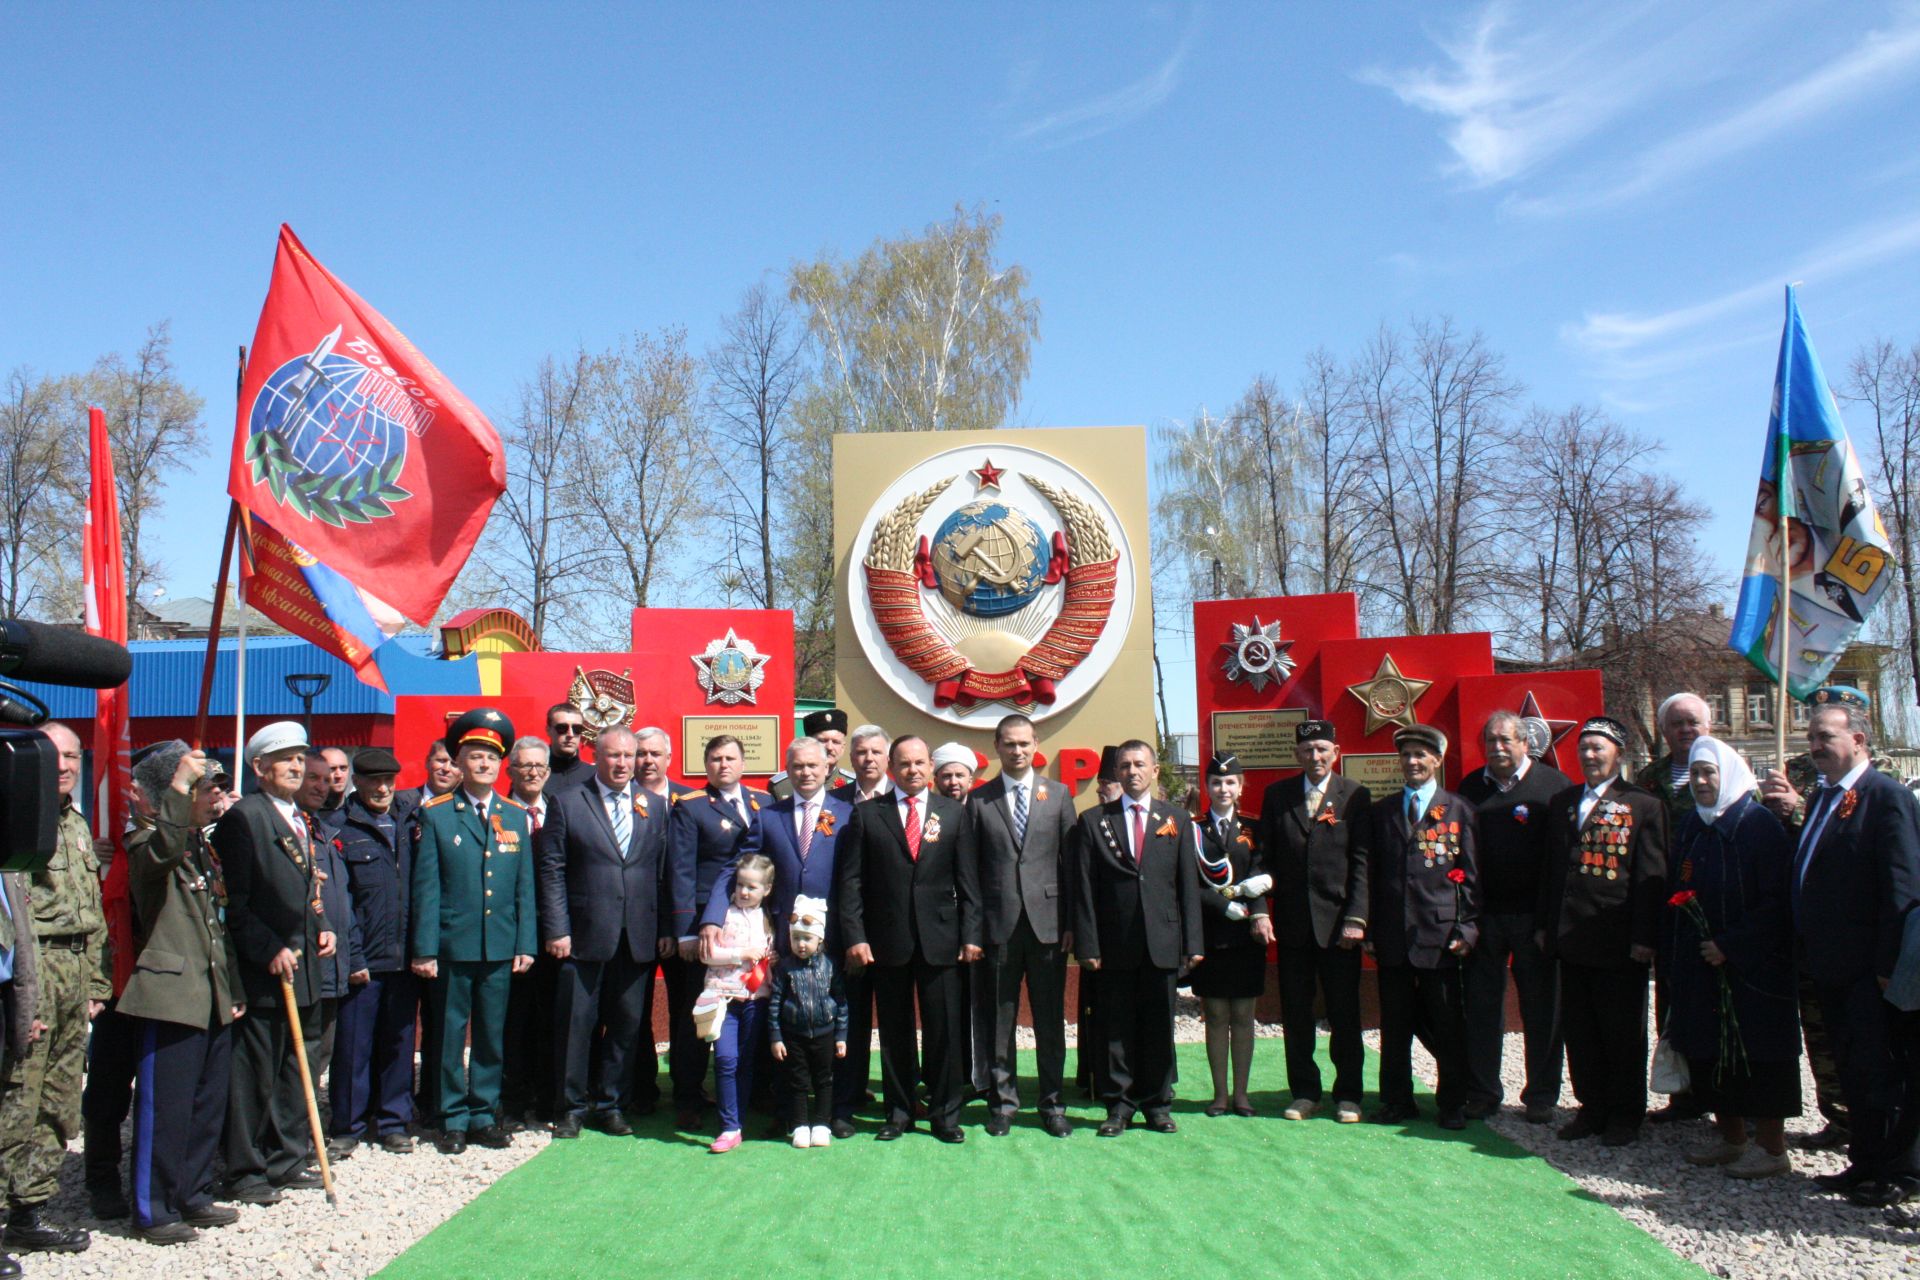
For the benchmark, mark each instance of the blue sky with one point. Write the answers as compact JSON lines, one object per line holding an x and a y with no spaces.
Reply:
{"x":1613,"y":193}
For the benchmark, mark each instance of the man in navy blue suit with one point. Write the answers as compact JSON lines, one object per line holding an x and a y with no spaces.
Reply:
{"x":799,"y":833}
{"x":709,"y":831}
{"x":605,"y":914}
{"x":1856,"y":874}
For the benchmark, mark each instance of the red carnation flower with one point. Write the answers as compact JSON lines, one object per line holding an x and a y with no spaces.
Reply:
{"x":1682,"y":898}
{"x":1457,"y":875}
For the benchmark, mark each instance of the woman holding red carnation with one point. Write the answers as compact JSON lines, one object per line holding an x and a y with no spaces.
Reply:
{"x":1728,"y":944}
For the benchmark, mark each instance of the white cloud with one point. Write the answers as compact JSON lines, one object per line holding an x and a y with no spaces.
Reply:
{"x":1109,"y":111}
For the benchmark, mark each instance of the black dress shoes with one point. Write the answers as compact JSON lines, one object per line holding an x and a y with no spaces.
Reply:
{"x":998,"y":1125}
{"x":1394,"y":1113}
{"x":299,"y":1180}
{"x":396,"y":1142}
{"x":949,"y":1133}
{"x":1839,"y":1183}
{"x":341,"y":1148}
{"x":1831,"y":1138}
{"x":451,"y":1142}
{"x":1162,"y":1123}
{"x":1683,"y":1107}
{"x":612,"y":1123}
{"x":257,"y":1193}
{"x":493,"y":1136}
{"x":1453,"y":1118}
{"x":211,"y":1215}
{"x":1620,"y":1135}
{"x":843,"y":1129}
{"x":1576,"y":1129}
{"x":1883,"y":1193}
{"x":1539,"y":1113}
{"x":567,"y":1127}
{"x":1057,"y":1125}
{"x":167,"y":1233}
{"x":1480,"y":1109}
{"x":889,"y":1132}
{"x":1113,"y":1126}
{"x":27,"y":1230}
{"x":9,"y":1267}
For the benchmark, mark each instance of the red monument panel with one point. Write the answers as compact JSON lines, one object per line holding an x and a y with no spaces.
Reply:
{"x":422,"y":718}
{"x":1561,"y":698}
{"x":1397,"y":677}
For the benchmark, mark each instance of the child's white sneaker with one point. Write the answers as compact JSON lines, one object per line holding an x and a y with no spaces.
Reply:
{"x":802,"y":1136}
{"x":822,"y":1136}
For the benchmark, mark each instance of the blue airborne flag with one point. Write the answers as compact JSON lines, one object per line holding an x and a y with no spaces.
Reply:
{"x":1839,"y":559}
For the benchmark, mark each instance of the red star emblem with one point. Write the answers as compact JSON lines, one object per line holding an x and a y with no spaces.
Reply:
{"x":1557,"y":728}
{"x":988,"y":475}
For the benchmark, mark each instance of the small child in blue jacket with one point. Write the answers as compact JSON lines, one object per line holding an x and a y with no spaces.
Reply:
{"x":807,"y":1022}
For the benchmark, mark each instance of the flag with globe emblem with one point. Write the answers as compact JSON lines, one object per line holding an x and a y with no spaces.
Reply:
{"x":365,"y":476}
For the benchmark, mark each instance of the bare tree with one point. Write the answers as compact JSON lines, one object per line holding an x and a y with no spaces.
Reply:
{"x":638,"y":467}
{"x":153,"y":421}
{"x":545,"y":543}
{"x":39,"y":481}
{"x":1270,"y":430}
{"x":1887,"y":380}
{"x":1338,"y":471}
{"x":755,"y":372}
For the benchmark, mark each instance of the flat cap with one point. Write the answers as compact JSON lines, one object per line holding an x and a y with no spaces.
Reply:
{"x":1421,"y":735}
{"x":372,"y":761}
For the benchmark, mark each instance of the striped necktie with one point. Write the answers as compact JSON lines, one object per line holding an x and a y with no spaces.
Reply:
{"x":1020,"y":815}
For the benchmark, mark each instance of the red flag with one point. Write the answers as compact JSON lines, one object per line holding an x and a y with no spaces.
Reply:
{"x":104,"y":578}
{"x":351,"y":445}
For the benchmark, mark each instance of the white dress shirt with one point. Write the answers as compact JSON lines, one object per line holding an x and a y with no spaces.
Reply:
{"x":1590,"y":797}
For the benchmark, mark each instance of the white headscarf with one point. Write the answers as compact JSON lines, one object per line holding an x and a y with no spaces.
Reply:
{"x":1736,"y":779}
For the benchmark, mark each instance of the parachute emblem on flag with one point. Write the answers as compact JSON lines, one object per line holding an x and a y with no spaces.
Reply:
{"x":328,"y":433}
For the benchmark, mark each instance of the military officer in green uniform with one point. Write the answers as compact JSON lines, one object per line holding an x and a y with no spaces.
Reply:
{"x":41,"y":1110}
{"x":474,"y":927}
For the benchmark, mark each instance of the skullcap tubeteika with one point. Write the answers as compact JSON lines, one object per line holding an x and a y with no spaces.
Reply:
{"x":1224,"y":764}
{"x":1315,"y":731}
{"x":1606,"y":727}
{"x":1421,"y":735}
{"x":482,"y":726}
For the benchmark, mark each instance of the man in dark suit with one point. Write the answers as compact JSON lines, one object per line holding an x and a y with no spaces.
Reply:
{"x":908,"y":905}
{"x":473,"y":928}
{"x":371,"y":1089}
{"x":708,"y":832}
{"x":1511,"y":796}
{"x":1136,"y":921}
{"x":1022,"y":827}
{"x":867,"y":749}
{"x":1314,"y":833}
{"x":1426,"y":905}
{"x":265,"y":847}
{"x":1856,"y":876}
{"x":182,"y":997}
{"x":1599,"y":916}
{"x":603,"y":878}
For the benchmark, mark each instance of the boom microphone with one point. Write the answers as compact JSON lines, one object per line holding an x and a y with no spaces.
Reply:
{"x":62,"y":656}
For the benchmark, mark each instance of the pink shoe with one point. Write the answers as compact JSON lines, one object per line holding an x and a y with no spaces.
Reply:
{"x":725,"y":1142}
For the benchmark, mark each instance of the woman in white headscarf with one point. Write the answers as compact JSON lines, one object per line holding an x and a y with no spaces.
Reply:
{"x":1732,"y":1011}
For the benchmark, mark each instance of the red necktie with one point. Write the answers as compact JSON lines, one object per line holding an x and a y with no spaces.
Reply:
{"x":913,"y":827}
{"x":1139,"y":834}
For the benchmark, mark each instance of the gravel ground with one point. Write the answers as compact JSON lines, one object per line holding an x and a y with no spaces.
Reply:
{"x":1746,"y":1231}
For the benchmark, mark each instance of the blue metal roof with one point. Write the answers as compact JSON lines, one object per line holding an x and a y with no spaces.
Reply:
{"x":166,"y":679}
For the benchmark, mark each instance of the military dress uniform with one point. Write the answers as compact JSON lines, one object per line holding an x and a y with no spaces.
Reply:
{"x":473,"y":912}
{"x":41,"y":1110}
{"x":180,"y":1002}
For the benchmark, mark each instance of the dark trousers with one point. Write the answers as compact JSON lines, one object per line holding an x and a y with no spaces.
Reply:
{"x":1826,"y":1074}
{"x":113,"y":1056}
{"x":469,"y":996}
{"x":1042,"y":966}
{"x":943,"y":1013}
{"x":1603,"y":1016}
{"x":370,"y":1090}
{"x":528,"y":1079}
{"x":851,"y":1073}
{"x":686,"y":1051}
{"x":1135,"y":1012}
{"x":809,"y":1074}
{"x":180,"y":1099}
{"x":596,"y":1072}
{"x":1871,"y":1040}
{"x":1431,"y":1004}
{"x":1505,"y":938}
{"x":1336,"y":972}
{"x":266,"y":1138}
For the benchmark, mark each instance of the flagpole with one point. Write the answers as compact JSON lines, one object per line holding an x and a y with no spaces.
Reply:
{"x":213,"y":628}
{"x":1783,"y":498}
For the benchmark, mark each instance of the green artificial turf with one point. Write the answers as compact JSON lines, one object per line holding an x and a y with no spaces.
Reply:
{"x":1260,"y":1197}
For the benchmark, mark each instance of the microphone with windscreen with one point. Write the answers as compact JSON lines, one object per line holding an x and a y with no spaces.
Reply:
{"x":61,"y":655}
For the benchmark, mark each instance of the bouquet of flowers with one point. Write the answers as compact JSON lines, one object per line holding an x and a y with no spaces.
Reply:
{"x":1733,"y":1050}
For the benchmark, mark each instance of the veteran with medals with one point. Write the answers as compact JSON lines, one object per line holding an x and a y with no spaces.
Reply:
{"x":1600,"y":906}
{"x":1425,"y":887}
{"x":474,"y":927}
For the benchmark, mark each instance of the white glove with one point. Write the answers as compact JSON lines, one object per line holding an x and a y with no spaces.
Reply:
{"x":1236,"y":911}
{"x":1254,"y":887}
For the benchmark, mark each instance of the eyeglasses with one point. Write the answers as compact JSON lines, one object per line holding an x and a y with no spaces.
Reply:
{"x":529,"y":767}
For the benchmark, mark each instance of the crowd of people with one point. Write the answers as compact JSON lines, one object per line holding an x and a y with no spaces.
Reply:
{"x":325,"y":927}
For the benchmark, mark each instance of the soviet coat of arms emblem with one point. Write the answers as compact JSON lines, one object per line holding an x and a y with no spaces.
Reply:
{"x":988,"y":584}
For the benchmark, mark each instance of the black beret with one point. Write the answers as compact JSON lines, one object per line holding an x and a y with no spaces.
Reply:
{"x":1224,"y":764}
{"x":831,"y":720}
{"x":369,"y":761}
{"x":1315,"y":731}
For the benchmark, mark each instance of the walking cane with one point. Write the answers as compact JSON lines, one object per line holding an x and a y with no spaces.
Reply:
{"x":306,"y":1086}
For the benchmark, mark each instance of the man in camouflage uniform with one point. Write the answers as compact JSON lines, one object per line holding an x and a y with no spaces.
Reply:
{"x":41,"y":1110}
